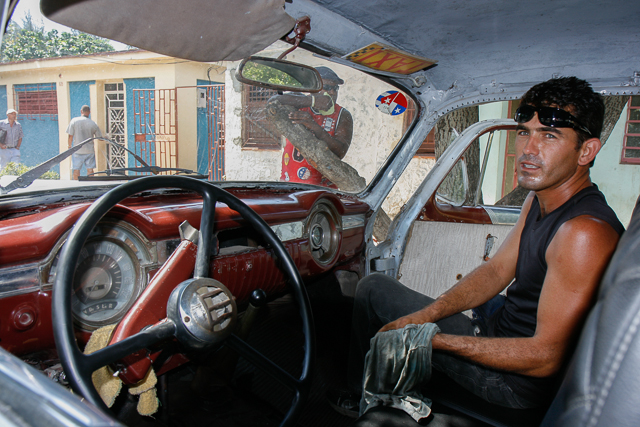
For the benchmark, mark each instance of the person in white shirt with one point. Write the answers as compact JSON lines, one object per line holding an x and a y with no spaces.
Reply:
{"x":10,"y":147}
{"x":80,"y":129}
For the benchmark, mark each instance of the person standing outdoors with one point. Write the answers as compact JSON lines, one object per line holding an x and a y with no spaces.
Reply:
{"x":10,"y":147}
{"x":328,"y":121}
{"x":80,"y":129}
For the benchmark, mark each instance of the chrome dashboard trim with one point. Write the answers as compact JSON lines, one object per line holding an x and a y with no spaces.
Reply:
{"x":502,"y":215}
{"x":289,"y":230}
{"x":353,"y":221}
{"x":19,"y":280}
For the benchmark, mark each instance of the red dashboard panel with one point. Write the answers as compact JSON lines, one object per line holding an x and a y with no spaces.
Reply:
{"x":28,"y":238}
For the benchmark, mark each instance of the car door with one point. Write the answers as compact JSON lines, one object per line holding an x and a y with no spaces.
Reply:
{"x":466,"y":220}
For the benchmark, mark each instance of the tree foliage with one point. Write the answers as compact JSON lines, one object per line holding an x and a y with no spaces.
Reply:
{"x":31,"y":41}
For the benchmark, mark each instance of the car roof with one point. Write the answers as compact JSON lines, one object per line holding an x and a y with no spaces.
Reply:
{"x":475,"y":42}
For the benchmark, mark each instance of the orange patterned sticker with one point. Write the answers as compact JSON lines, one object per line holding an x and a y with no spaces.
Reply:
{"x":386,"y":58}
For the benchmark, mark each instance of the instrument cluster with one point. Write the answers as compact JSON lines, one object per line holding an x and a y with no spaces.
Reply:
{"x":112,"y":271}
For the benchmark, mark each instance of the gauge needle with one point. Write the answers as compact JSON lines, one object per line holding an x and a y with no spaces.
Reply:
{"x":94,"y":287}
{"x":93,"y":274}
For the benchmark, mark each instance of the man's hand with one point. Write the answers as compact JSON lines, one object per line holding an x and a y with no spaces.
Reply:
{"x":305,"y":119}
{"x":3,"y":146}
{"x":410,"y":319}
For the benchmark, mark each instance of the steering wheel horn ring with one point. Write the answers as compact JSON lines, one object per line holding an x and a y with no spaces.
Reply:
{"x":204,"y":312}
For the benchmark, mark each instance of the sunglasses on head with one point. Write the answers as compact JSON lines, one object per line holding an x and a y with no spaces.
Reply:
{"x":549,"y":116}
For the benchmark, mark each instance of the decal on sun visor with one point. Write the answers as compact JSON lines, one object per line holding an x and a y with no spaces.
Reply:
{"x":385,"y":58}
{"x":392,"y":102}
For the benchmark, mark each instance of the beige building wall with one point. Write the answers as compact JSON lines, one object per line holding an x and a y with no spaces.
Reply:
{"x":167,"y":72}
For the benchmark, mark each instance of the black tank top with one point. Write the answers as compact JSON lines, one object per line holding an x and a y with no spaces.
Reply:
{"x":518,"y":316}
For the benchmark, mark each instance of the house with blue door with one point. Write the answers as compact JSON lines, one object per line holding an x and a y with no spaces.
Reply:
{"x":135,"y":97}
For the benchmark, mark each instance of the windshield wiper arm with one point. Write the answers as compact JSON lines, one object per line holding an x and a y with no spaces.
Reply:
{"x":27,"y":178}
{"x":151,"y":169}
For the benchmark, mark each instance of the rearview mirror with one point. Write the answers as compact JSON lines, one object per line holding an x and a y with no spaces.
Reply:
{"x":279,"y":75}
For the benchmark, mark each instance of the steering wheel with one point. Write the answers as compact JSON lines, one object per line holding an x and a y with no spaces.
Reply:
{"x":188,"y":295}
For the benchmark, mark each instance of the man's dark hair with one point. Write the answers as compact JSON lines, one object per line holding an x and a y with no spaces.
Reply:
{"x":574,"y":95}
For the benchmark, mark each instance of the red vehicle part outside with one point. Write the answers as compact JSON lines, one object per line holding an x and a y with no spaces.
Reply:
{"x":31,"y":238}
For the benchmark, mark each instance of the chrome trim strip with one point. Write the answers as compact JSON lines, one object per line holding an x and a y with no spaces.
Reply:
{"x":289,"y":230}
{"x":353,"y":221}
{"x":502,"y":216}
{"x":18,"y":280}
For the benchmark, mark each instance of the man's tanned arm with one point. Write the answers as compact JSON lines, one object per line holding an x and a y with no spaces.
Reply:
{"x":577,"y":258}
{"x":477,"y":287}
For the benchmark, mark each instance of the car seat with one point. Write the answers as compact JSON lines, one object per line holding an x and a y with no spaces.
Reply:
{"x":602,"y":384}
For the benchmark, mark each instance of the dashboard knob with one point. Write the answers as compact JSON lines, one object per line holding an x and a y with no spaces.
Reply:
{"x":24,"y":317}
{"x":258,"y":298}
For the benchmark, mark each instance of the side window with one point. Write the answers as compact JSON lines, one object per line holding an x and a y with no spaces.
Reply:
{"x":631,"y":144}
{"x":428,"y":147}
{"x":35,"y":100}
{"x":258,"y":133}
{"x":485,"y":174}
{"x":484,"y":178}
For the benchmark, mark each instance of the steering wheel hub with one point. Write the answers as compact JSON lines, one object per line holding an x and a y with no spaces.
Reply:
{"x":203,"y":310}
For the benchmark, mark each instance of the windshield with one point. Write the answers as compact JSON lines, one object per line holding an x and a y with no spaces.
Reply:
{"x":145,"y":113}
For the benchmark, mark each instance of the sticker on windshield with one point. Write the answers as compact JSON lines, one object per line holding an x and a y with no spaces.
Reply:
{"x":392,"y":102}
{"x":304,"y":173}
{"x":387,"y":58}
{"x":297,"y":156}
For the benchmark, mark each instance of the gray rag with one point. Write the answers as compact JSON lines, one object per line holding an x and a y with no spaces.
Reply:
{"x":398,"y":362}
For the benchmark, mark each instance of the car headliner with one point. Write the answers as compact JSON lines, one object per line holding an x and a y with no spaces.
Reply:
{"x":475,"y":43}
{"x":479,"y":41}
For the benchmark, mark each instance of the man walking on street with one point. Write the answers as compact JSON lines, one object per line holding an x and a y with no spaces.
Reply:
{"x":80,"y":129}
{"x":326,"y":120}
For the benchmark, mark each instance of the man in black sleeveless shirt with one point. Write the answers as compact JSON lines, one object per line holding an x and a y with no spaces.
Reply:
{"x":553,"y":258}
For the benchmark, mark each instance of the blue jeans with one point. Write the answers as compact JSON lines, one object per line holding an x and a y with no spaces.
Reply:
{"x":381,"y":299}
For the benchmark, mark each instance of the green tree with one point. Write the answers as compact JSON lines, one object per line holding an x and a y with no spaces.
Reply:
{"x":31,"y":41}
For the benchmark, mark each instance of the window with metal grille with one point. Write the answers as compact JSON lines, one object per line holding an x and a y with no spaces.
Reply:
{"x":631,"y":145}
{"x":257,"y":132}
{"x":509,"y":177}
{"x":428,"y":146}
{"x":34,"y":100}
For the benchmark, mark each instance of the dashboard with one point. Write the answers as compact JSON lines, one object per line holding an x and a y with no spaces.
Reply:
{"x":321,"y":231}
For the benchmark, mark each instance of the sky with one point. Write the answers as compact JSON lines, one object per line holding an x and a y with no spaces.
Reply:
{"x":33,"y":6}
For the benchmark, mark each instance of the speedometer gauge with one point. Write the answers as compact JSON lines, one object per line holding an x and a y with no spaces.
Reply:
{"x":112,"y":271}
{"x":106,"y":282}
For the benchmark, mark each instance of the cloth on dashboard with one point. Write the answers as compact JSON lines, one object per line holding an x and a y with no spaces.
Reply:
{"x":109,"y":385}
{"x":398,"y":362}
